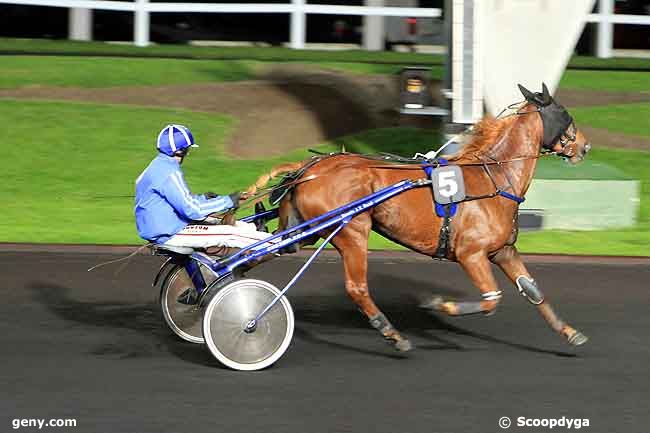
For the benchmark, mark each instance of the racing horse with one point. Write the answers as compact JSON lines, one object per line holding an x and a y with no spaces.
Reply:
{"x":497,"y":163}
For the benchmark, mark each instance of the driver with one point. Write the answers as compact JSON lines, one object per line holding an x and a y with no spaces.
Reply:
{"x":167,"y":213}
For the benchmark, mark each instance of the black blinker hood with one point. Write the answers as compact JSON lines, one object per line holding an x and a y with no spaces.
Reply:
{"x":555,"y":119}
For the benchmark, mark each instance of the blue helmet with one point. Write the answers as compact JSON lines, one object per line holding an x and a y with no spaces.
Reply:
{"x":175,"y":139}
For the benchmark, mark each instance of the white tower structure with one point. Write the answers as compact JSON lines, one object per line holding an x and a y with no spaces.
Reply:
{"x":496,"y":44}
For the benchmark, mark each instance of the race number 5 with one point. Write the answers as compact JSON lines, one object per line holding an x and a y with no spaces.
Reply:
{"x":448,"y":184}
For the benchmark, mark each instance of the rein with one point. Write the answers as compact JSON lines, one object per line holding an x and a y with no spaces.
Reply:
{"x":257,"y":197}
{"x":565,"y":138}
{"x":479,"y":163}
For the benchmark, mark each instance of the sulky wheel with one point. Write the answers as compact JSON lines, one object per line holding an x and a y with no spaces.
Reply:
{"x":231,"y":310}
{"x":179,"y":306}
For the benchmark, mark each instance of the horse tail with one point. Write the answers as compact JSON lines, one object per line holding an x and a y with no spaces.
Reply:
{"x":264,"y":179}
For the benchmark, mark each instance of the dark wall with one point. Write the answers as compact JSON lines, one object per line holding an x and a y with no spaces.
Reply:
{"x":33,"y":21}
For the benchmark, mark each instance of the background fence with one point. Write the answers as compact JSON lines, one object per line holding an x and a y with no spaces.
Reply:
{"x":297,"y":9}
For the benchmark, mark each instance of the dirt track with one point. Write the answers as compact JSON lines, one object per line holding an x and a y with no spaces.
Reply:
{"x":292,"y":107}
{"x":288,"y":108}
{"x":92,"y":346}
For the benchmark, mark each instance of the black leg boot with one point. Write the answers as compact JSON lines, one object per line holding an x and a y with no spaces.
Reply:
{"x":260,"y":224}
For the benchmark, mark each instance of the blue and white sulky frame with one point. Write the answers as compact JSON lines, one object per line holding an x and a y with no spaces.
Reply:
{"x":337,"y":218}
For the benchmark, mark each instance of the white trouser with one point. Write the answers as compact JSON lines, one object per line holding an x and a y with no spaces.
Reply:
{"x":240,"y":235}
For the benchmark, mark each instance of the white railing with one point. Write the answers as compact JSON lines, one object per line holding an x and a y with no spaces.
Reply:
{"x":605,"y":34}
{"x":619,"y":19}
{"x":605,"y":18}
{"x":85,"y":4}
{"x":297,"y":8}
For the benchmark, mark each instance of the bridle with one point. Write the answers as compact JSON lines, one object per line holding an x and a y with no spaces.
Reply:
{"x":566,"y":137}
{"x":563,"y":131}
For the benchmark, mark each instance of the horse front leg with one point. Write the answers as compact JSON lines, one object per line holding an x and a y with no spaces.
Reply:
{"x":352,"y":246}
{"x":509,"y":260}
{"x":477,"y":267}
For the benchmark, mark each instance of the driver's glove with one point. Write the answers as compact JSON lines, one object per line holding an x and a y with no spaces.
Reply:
{"x":235,"y":196}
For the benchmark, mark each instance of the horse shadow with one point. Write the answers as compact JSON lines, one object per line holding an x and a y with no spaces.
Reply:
{"x":342,"y":104}
{"x":320,"y":320}
{"x":347,"y":103}
{"x":404,"y":311}
{"x":147,"y":334}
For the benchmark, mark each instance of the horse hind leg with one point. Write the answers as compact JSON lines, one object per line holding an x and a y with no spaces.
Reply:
{"x":478,"y":269}
{"x":352,"y":245}
{"x":290,"y":217}
{"x":510,"y":262}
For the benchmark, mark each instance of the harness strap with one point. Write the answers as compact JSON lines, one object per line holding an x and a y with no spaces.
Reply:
{"x":462,"y":164}
{"x":445,"y":236}
{"x":513,"y":197}
{"x":446,"y":211}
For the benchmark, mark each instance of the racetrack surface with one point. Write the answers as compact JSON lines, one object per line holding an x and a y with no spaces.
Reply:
{"x":92,"y":346}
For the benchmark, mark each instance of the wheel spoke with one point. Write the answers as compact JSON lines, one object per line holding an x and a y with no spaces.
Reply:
{"x":184,"y":320}
{"x":226,"y":317}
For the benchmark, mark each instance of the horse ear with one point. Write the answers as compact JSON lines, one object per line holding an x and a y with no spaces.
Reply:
{"x":530,"y":96}
{"x":546,"y":96}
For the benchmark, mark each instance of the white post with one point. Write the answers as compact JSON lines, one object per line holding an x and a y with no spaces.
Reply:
{"x":477,"y":62}
{"x":605,"y":32}
{"x":141,"y":24}
{"x":466,"y":69}
{"x":298,"y":25}
{"x":373,"y":29}
{"x":80,"y":25}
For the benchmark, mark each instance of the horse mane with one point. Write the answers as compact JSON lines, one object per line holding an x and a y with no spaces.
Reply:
{"x":483,"y":136}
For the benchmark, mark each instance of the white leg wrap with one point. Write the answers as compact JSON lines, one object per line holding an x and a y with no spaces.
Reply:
{"x":494,"y":295}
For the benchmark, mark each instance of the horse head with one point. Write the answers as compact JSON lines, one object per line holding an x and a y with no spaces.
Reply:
{"x":561,"y":136}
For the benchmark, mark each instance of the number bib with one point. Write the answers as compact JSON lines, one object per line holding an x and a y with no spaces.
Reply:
{"x":448,"y":184}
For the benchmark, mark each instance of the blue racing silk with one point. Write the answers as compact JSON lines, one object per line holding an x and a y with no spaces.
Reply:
{"x":164,"y":204}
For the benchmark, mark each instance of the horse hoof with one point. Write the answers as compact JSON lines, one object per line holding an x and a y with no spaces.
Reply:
{"x":434,"y":303}
{"x":403,"y":345}
{"x":488,"y":313}
{"x":577,"y":339}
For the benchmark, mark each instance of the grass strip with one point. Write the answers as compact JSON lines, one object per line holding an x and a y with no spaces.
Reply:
{"x":276,"y":54}
{"x":78,"y":48}
{"x":101,"y":72}
{"x":606,"y":81}
{"x":629,"y":119}
{"x":70,"y":169}
{"x":25,"y":71}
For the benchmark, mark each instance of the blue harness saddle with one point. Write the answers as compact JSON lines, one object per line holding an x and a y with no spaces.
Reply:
{"x":441,"y":209}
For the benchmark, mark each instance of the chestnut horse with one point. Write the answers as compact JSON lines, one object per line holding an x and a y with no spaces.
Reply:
{"x":501,"y":154}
